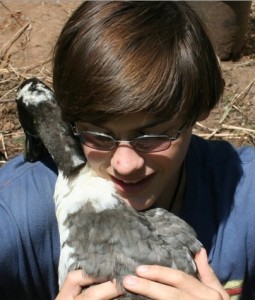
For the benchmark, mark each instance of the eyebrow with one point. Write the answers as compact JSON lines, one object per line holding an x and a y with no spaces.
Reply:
{"x":150,"y":124}
{"x":154,"y":123}
{"x":102,"y":125}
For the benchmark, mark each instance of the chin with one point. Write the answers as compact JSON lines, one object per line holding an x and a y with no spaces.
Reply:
{"x":139,"y":204}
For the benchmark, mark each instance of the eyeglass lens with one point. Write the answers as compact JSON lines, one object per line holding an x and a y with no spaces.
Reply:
{"x":142,"y":144}
{"x":151,"y":144}
{"x":99,"y":142}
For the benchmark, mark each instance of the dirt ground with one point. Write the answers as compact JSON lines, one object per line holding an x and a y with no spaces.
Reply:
{"x":28,"y":30}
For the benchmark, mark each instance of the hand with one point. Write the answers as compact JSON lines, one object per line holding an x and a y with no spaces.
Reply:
{"x":76,"y":281}
{"x":159,"y":283}
{"x":154,"y":282}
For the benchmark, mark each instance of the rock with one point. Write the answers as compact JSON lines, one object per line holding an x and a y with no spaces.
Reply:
{"x":227,"y":23}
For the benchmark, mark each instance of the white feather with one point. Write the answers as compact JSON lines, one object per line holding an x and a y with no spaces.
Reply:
{"x":33,"y":97}
{"x":70,"y":195}
{"x":86,"y":187}
{"x":65,"y":261}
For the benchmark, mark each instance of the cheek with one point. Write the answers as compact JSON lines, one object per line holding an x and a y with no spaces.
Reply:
{"x":179,"y":147}
{"x":95,"y":157}
{"x":171,"y":159}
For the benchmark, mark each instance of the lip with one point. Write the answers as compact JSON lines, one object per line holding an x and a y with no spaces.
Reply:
{"x":131,"y":188}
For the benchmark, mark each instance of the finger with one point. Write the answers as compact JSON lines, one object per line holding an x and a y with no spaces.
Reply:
{"x":150,"y":289}
{"x":73,"y":284}
{"x":205,"y":271}
{"x":103,"y":291}
{"x":207,"y":274}
{"x":168,"y":276}
{"x":179,"y":280}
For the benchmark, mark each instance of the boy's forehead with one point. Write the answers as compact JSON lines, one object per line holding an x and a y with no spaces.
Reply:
{"x":143,"y":119}
{"x":136,"y":121}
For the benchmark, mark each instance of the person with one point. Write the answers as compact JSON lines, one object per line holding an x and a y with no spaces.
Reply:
{"x":134,"y":77}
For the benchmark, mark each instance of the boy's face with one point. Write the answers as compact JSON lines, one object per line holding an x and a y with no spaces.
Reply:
{"x":141,"y":179}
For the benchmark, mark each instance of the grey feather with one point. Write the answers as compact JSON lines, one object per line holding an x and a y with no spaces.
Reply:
{"x":99,"y":233}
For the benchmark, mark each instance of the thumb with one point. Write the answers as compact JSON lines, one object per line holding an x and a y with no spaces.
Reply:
{"x":207,"y":274}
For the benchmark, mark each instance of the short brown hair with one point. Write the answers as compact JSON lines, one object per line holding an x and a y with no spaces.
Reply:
{"x":121,"y":57}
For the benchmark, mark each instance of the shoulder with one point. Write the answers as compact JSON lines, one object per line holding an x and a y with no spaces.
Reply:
{"x":226,"y":170}
{"x":26,"y":189}
{"x":221,"y":156}
{"x":26,"y":179}
{"x":218,"y":151}
{"x":26,"y":185}
{"x":17,"y":169}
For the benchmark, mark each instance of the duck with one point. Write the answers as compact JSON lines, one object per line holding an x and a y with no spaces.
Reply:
{"x":99,"y":233}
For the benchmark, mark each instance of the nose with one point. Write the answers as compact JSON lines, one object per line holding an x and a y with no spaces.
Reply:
{"x":126,"y":160}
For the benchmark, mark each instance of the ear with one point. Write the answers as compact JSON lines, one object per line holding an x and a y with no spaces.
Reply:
{"x":203,"y":116}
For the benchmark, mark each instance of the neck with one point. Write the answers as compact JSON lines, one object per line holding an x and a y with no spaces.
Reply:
{"x":173,"y":198}
{"x":177,"y":200}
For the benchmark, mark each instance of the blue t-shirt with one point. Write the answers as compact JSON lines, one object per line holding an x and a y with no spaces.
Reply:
{"x":219,"y":203}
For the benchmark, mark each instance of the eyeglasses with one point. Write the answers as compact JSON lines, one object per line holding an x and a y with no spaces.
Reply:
{"x":145,"y":143}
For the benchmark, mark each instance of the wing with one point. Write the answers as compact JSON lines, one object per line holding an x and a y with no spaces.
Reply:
{"x":170,"y":227}
{"x":179,"y":235}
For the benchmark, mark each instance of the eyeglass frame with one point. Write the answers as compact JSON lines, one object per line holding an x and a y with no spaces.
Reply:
{"x":78,"y":133}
